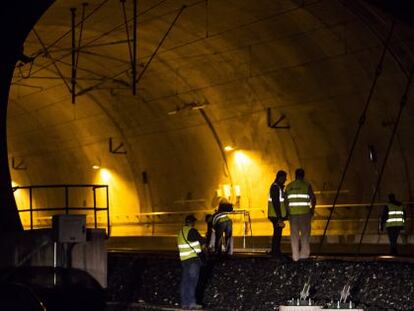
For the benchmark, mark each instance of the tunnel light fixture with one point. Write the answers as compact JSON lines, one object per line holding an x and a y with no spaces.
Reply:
{"x":96,"y":165}
{"x":237,"y":192}
{"x":228,"y":148}
{"x":172,"y":112}
{"x":187,"y":106}
{"x":195,"y":106}
{"x":372,"y":154}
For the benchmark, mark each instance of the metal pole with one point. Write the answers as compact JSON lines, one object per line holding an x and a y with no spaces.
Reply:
{"x":134,"y":52}
{"x":94,"y":206}
{"x":244,"y":229}
{"x":31,"y":208}
{"x":66,"y":200}
{"x":108,"y":223}
{"x":73,"y":77}
{"x":54,"y":261}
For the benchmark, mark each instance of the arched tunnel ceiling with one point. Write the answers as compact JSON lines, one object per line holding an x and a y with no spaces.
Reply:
{"x":222,"y":65}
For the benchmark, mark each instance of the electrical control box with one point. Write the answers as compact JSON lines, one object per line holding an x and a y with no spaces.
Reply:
{"x":69,"y":228}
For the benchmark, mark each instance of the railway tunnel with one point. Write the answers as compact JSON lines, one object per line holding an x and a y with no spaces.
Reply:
{"x":137,"y":113}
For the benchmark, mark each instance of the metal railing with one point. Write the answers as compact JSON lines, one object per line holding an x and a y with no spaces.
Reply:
{"x":66,"y":208}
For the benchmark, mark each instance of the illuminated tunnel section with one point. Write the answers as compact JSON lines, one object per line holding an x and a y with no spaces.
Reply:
{"x":227,"y":94}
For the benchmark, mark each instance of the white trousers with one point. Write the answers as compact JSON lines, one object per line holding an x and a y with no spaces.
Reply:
{"x":300,"y":231}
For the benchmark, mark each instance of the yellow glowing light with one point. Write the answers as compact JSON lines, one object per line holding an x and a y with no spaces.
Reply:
{"x":96,"y":167}
{"x":228,"y":148}
{"x":227,"y":191}
{"x":105,"y":175}
{"x":241,"y":158}
{"x":237,"y":190}
{"x":14,"y":184}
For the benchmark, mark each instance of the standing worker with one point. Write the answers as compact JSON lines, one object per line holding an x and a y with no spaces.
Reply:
{"x":393,"y":218}
{"x":276,"y":211}
{"x":301,"y":203}
{"x":190,"y":245}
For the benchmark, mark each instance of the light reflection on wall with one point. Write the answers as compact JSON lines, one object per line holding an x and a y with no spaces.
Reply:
{"x":123,"y":200}
{"x":253,"y":178}
{"x":21,"y":196}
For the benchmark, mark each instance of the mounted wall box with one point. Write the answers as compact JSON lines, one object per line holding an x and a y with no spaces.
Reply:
{"x":69,"y":228}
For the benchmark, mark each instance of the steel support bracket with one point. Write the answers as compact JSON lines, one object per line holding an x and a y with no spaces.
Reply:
{"x":275,"y":125}
{"x":20,"y":165}
{"x":117,"y":150}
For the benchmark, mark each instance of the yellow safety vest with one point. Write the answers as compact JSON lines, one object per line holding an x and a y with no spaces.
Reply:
{"x":395,"y":216}
{"x":187,"y":248}
{"x":220,"y":217}
{"x":298,"y":198}
{"x":271,"y":209}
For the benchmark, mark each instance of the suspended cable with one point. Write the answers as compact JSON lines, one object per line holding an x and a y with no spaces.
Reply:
{"x":84,"y":19}
{"x":124,"y":15}
{"x":403,"y":103}
{"x":356,"y":136}
{"x":53,"y":62}
{"x":160,"y":44}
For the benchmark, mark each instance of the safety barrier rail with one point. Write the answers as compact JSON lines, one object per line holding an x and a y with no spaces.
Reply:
{"x":66,"y":208}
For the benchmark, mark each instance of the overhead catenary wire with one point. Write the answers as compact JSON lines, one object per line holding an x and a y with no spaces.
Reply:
{"x":91,"y":41}
{"x":403,"y":103}
{"x":361,"y":122}
{"x":60,"y":74}
{"x":270,"y":16}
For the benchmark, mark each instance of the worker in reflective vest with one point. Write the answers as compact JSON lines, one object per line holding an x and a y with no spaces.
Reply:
{"x":276,"y":211}
{"x":222,"y":224}
{"x":393,"y":219}
{"x":300,"y":203}
{"x":190,"y":245}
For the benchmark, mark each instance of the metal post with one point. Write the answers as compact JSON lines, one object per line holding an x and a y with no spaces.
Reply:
{"x":73,"y":77}
{"x":31,"y":208}
{"x":108,"y":223}
{"x":54,"y":261}
{"x":66,"y":200}
{"x":94,"y":206}
{"x":244,"y":229}
{"x":134,"y":52}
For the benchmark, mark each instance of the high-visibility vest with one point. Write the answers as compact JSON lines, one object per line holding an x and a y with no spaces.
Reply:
{"x":220,"y":217}
{"x":271,"y":209}
{"x":299,"y":201}
{"x":395,"y":216}
{"x":187,"y":248}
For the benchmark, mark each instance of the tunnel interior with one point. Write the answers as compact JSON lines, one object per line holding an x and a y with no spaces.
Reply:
{"x":194,"y":101}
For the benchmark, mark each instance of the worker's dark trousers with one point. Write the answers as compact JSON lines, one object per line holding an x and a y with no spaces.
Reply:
{"x":393,"y":233}
{"x":189,"y":280}
{"x":220,"y":228}
{"x":277,"y":236}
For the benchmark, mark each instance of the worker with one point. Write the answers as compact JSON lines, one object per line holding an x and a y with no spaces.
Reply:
{"x":276,"y":211}
{"x":210,"y":234}
{"x":190,"y":244}
{"x":223,"y":224}
{"x":393,"y":219}
{"x":300,"y":206}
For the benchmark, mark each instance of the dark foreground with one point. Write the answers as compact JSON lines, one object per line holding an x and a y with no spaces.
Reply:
{"x":248,"y":283}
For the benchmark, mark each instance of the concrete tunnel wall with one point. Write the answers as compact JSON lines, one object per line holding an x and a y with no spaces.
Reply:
{"x":313,"y":63}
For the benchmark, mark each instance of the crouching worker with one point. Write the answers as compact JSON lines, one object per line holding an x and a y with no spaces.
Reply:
{"x":190,"y":245}
{"x":223,"y":224}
